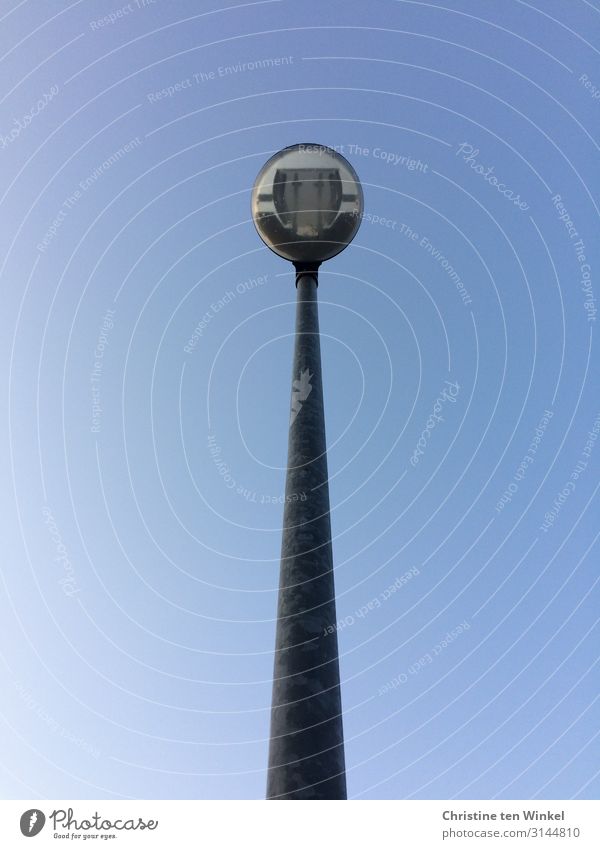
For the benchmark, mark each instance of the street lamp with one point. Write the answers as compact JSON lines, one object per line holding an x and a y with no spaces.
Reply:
{"x":307,"y":205}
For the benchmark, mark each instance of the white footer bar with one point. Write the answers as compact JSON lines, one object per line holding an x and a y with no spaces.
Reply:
{"x":293,"y":825}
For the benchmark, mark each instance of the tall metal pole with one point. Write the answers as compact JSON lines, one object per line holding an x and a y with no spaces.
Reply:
{"x":306,"y":752}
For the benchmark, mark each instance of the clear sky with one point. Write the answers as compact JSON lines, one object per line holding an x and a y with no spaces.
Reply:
{"x":146,"y":353}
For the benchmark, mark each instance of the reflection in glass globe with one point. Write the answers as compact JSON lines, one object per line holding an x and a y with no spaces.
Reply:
{"x":307,"y":203}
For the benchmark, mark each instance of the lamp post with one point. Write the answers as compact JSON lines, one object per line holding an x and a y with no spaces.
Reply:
{"x":306,"y":204}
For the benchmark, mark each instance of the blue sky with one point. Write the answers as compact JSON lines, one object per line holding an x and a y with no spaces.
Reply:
{"x":142,"y":316}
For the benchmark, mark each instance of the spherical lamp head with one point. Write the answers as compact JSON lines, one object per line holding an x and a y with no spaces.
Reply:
{"x":307,"y":203}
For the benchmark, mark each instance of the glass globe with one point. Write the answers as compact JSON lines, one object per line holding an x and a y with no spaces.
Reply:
{"x":307,"y":203}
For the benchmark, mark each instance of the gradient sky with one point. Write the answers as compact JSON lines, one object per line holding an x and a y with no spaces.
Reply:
{"x":140,"y":569}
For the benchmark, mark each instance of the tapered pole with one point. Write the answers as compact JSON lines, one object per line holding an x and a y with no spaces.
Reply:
{"x":306,"y":752}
